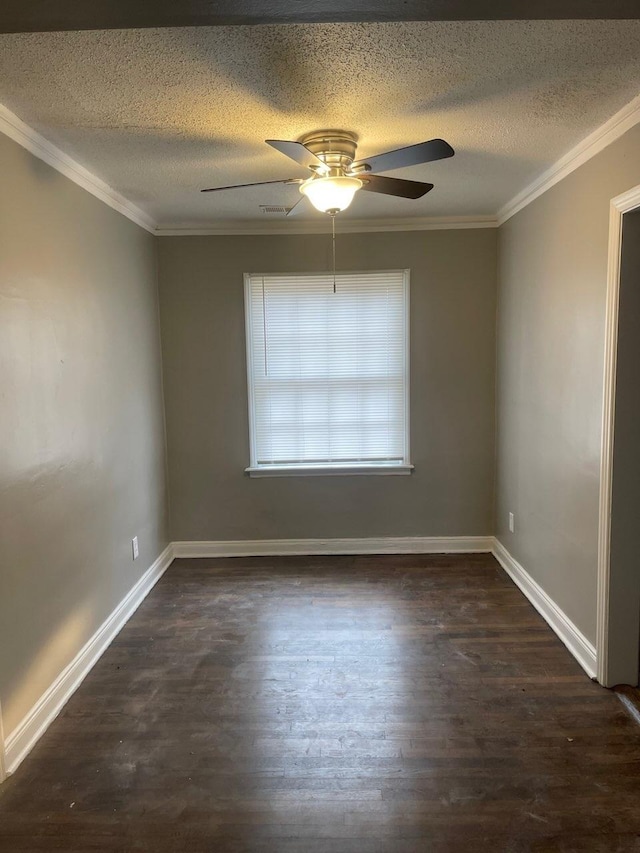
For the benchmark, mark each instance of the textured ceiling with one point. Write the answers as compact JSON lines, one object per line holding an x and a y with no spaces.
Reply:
{"x":158,"y":114}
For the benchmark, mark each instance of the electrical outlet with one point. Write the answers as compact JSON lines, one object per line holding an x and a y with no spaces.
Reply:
{"x":134,"y":547}
{"x":512,"y":523}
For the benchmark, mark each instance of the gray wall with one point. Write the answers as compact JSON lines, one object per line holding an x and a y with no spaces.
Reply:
{"x":453,"y":277}
{"x":625,"y":492}
{"x":551,"y":315}
{"x":82,"y":466}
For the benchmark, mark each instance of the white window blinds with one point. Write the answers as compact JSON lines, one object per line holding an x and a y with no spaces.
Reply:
{"x":328,"y":371}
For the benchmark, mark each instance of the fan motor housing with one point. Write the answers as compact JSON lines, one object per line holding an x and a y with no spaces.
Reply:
{"x":337,"y":148}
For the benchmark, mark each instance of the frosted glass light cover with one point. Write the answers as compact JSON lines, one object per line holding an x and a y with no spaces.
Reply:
{"x":332,"y":193}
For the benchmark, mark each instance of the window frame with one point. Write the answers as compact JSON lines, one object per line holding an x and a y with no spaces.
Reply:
{"x":328,"y":469}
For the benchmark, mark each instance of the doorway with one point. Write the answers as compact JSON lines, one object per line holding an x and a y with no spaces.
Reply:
{"x":618,"y":631}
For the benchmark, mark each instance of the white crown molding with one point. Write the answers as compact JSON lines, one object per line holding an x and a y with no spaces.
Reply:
{"x":613,"y":129}
{"x":579,"y":646}
{"x":23,"y":738}
{"x":322,"y":226}
{"x":28,"y":138}
{"x":328,"y":547}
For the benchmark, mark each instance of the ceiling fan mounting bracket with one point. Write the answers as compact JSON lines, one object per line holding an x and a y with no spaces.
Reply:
{"x":336,"y":148}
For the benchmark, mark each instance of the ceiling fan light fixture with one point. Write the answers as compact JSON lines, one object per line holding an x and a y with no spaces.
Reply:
{"x":331,"y":194}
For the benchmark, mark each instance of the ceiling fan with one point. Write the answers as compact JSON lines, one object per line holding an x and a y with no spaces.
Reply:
{"x":337,"y":175}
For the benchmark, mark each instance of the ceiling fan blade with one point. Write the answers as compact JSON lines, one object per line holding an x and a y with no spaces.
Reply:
{"x":395,"y":186}
{"x":298,"y":152}
{"x":423,"y":152}
{"x":297,"y":208}
{"x":256,"y":184}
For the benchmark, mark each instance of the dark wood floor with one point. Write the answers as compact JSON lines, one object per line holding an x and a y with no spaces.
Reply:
{"x":342,"y":705}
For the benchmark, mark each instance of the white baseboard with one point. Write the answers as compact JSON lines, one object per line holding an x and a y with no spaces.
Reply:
{"x":310,"y":547}
{"x":22,"y":739}
{"x":582,"y":650}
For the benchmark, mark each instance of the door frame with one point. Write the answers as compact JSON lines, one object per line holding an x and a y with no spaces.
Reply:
{"x":610,"y":669}
{"x":3,"y":764}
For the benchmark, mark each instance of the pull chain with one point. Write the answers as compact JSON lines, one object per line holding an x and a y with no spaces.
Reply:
{"x":333,"y":247}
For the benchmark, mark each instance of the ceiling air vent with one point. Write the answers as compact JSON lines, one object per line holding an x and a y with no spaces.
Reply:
{"x":274,"y":208}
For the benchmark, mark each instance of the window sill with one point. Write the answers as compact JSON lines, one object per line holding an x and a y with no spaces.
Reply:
{"x":328,"y":470}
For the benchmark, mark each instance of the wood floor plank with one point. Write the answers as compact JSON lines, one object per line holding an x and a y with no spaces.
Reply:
{"x":395,"y":704}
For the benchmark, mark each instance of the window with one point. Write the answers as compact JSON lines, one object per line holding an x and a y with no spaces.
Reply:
{"x":328,"y":372}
